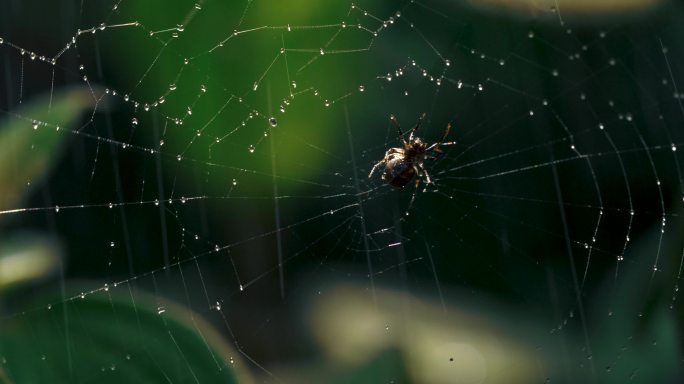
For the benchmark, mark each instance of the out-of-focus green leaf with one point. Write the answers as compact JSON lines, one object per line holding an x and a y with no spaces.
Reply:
{"x":115,"y":336}
{"x":386,"y":367}
{"x":29,"y":146}
{"x":436,"y":347}
{"x":636,"y":328}
{"x":27,"y":258}
{"x":574,"y":9}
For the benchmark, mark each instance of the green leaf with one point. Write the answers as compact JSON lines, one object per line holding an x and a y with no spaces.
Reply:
{"x":636,"y":329}
{"x":115,"y":335}
{"x":387,"y":367}
{"x":30,"y":140}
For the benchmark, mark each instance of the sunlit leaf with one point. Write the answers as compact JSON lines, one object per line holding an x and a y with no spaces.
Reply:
{"x":437,"y":346}
{"x":26,"y":258}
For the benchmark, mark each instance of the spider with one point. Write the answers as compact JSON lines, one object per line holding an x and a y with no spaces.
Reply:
{"x":402,"y":164}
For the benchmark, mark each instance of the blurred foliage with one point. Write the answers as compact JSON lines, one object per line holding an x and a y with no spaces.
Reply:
{"x":112,"y":337}
{"x":498,"y":329}
{"x":27,"y":155}
{"x":30,"y":146}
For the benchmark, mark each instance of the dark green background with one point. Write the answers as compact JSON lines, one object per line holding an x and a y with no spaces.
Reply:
{"x":519,"y":239}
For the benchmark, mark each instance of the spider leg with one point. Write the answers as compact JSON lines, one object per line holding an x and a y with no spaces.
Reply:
{"x":375,"y":167}
{"x":413,"y":197}
{"x":415,"y":128}
{"x":394,"y":121}
{"x":424,"y":171}
{"x":446,"y":133}
{"x":435,"y":146}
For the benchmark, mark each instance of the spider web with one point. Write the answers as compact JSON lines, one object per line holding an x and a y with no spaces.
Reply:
{"x":225,"y":165}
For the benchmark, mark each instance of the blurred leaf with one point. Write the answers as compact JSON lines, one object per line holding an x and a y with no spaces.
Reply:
{"x":640,"y":326}
{"x":29,"y":147}
{"x":26,"y":258}
{"x":105,"y":337}
{"x":573,"y":9}
{"x":437,"y":345}
{"x":386,"y":367}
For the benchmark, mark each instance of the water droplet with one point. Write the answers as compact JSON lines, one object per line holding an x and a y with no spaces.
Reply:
{"x":273,"y":122}
{"x":530,"y":34}
{"x":35,"y":125}
{"x":110,"y":205}
{"x":447,"y":63}
{"x":2,"y":41}
{"x":112,"y":244}
{"x":322,"y":51}
{"x":251,"y":148}
{"x":234,"y":182}
{"x":256,"y":85}
{"x":134,"y":121}
{"x":179,"y":157}
{"x":361,"y":88}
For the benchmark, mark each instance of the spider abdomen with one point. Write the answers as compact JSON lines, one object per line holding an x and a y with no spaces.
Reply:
{"x":398,"y":172}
